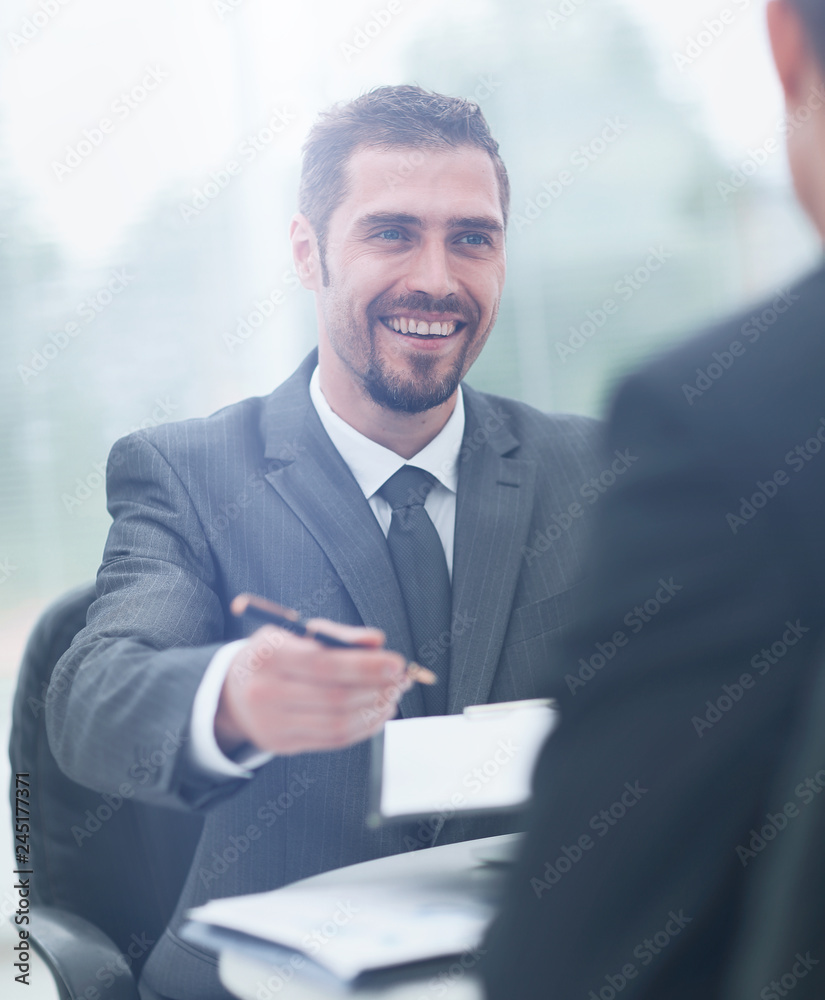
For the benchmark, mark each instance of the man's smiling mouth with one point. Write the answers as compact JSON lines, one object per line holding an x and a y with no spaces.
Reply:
{"x":420,"y":327}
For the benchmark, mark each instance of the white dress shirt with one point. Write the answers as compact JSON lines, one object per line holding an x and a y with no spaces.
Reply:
{"x":372,"y":465}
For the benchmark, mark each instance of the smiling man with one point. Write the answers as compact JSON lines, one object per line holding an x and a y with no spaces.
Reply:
{"x":375,"y":491}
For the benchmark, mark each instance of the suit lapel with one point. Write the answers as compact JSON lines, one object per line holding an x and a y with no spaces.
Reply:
{"x":494,"y":509}
{"x":314,"y":481}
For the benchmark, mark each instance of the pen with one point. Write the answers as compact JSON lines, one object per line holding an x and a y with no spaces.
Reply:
{"x":277,"y":614}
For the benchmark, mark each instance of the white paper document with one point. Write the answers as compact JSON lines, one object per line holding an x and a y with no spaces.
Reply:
{"x":384,"y":928}
{"x":480,"y":761}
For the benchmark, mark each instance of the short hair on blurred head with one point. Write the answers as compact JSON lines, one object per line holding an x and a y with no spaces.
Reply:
{"x":812,"y":13}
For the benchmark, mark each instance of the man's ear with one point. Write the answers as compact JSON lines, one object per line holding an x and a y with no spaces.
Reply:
{"x":305,"y":252}
{"x":792,"y":54}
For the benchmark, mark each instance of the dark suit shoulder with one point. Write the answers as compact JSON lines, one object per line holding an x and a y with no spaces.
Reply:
{"x":766,"y":361}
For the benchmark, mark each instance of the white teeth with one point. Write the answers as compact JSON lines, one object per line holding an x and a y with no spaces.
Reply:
{"x":421,"y":327}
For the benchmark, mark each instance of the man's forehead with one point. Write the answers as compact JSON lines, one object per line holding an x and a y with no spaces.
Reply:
{"x":422,"y":182}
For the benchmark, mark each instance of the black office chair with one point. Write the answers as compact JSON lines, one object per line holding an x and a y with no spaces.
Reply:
{"x":107,"y":874}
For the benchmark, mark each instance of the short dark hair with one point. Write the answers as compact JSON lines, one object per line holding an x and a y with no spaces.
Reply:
{"x":385,"y":118}
{"x":812,"y":13}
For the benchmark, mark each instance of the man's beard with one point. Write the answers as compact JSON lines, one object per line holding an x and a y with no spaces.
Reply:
{"x":422,"y":392}
{"x":423,"y":389}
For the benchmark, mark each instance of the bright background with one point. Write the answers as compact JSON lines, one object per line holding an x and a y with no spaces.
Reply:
{"x":547,"y":75}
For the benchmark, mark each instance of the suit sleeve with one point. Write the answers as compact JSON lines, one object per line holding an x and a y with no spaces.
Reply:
{"x":120,"y":699}
{"x":630,"y":879}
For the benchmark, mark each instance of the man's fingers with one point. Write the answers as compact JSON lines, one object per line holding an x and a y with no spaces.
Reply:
{"x":304,"y":734}
{"x":297,"y":696}
{"x":272,"y":649}
{"x":291,"y":694}
{"x":373,"y":637}
{"x":301,"y":728}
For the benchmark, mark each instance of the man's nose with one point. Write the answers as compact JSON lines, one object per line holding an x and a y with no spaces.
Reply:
{"x":430,"y":270}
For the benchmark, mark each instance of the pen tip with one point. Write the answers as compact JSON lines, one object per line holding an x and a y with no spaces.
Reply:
{"x":239,"y":604}
{"x":421,"y":674}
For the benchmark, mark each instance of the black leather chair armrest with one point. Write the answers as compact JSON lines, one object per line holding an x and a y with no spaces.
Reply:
{"x":79,"y":955}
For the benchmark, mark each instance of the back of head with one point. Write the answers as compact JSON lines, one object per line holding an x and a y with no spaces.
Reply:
{"x":812,"y":13}
{"x":797,"y":33}
{"x":404,"y":117}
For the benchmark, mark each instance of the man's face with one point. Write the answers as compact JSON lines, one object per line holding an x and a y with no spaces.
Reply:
{"x":416,"y":263}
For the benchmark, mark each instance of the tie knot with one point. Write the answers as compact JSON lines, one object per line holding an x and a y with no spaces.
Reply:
{"x":409,"y":487}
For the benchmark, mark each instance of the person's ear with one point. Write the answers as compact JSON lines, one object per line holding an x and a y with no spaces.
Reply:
{"x":791,"y":53}
{"x":305,"y":252}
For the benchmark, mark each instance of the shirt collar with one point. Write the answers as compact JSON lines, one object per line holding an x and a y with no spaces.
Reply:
{"x":372,"y":464}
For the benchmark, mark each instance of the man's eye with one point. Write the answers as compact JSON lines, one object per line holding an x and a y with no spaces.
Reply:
{"x":475,"y":239}
{"x":389,"y":235}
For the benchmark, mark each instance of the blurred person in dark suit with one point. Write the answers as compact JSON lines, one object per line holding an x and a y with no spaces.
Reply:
{"x":657,"y":803}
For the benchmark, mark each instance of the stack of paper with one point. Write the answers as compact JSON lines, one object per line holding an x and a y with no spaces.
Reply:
{"x":384,"y":928}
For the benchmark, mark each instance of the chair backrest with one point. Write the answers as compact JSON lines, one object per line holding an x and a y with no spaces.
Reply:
{"x":117,"y":862}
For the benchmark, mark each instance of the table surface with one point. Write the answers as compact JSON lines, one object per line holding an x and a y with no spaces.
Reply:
{"x":463,"y":865}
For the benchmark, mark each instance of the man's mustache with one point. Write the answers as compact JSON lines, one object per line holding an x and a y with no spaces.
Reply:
{"x":418,"y":302}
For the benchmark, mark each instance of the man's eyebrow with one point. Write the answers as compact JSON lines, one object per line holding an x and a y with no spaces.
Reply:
{"x":485,"y":223}
{"x":388,"y":219}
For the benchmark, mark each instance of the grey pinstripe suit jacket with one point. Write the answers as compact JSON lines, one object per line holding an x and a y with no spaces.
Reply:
{"x":256,"y":498}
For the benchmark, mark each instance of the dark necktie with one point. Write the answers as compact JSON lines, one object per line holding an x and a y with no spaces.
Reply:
{"x":421,"y":568}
